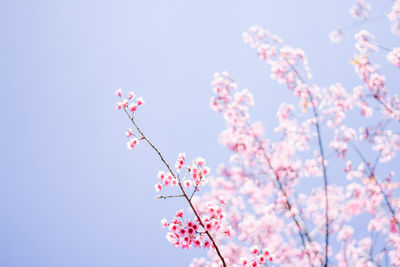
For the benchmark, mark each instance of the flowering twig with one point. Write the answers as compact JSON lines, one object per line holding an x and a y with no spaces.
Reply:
{"x":179,"y":184}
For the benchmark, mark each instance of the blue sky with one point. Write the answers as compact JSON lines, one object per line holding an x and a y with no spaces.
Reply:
{"x":71,"y":194}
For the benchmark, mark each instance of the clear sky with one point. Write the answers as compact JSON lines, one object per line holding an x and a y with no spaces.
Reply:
{"x":71,"y":194}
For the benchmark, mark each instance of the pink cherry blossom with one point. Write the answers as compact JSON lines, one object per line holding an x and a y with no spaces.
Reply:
{"x":132,"y":143}
{"x":315,"y":188}
{"x":394,"y":56}
{"x":360,"y":10}
{"x":394,"y":17}
{"x":118,"y":92}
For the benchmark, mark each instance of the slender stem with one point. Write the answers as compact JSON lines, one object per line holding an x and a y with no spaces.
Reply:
{"x":384,"y":47}
{"x":194,"y":191}
{"x":196,"y":188}
{"x":363,"y":21}
{"x":180,"y":186}
{"x":321,"y":151}
{"x":172,"y":196}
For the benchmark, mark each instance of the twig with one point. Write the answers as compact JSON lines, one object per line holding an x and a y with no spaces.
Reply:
{"x":172,"y":196}
{"x":180,"y":186}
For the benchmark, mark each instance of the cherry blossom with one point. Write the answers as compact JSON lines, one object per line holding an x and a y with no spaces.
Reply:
{"x":336,"y":36}
{"x":394,"y":17}
{"x":360,"y":10}
{"x":394,"y":56}
{"x":292,"y":194}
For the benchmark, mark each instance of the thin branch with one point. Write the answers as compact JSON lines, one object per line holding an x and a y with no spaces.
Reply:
{"x":194,"y":191}
{"x":196,"y":188}
{"x":363,"y":21}
{"x":172,"y":196}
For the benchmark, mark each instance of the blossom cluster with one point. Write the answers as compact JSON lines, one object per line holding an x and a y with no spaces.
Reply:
{"x":131,"y":104}
{"x":343,"y":135}
{"x":196,"y":175}
{"x":257,"y":257}
{"x":394,"y":56}
{"x":281,"y":58}
{"x":394,"y":17}
{"x":365,"y":42}
{"x":360,"y":9}
{"x":185,"y":234}
{"x":195,"y":233}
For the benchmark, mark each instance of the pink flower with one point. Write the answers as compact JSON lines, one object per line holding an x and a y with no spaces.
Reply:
{"x":254,"y":250}
{"x":394,"y":56}
{"x":179,"y":213}
{"x":140,"y":101}
{"x":157,"y":187}
{"x":164,"y":223}
{"x":132,"y":107}
{"x":132,"y":143}
{"x":131,"y":95}
{"x":118,"y":92}
{"x":187,"y":183}
{"x":261,"y":259}
{"x":346,"y":233}
{"x":360,"y":10}
{"x":129,"y":133}
{"x":179,"y":162}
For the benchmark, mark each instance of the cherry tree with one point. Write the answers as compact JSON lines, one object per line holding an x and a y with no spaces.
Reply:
{"x":256,"y":210}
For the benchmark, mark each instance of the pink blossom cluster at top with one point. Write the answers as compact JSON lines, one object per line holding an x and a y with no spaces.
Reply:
{"x":131,"y":104}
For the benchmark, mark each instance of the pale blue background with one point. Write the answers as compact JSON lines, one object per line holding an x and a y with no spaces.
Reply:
{"x":71,"y":194}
